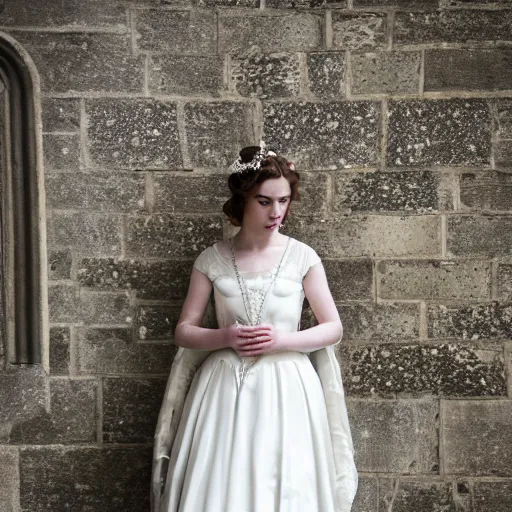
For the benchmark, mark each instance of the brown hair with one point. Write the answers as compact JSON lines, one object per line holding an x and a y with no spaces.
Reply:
{"x":242,"y":183}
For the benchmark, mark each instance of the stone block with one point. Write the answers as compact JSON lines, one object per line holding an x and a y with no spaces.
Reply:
{"x":9,"y":479}
{"x":385,"y":72}
{"x":112,"y":351}
{"x":86,"y":61}
{"x":157,"y":322}
{"x":168,"y":236}
{"x":434,"y":280}
{"x":285,"y":32}
{"x":367,"y":497}
{"x":133,"y":134}
{"x":185,"y":75}
{"x":227,"y":3}
{"x":195,"y":193}
{"x":59,"y":263}
{"x":63,"y":303}
{"x":467,"y":70}
{"x":495,"y":496}
{"x":504,"y":282}
{"x":298,"y":4}
{"x":504,"y":118}
{"x":89,"y":234}
{"x":314,"y":190}
{"x":326,"y":72}
{"x":217,"y":131}
{"x":324,"y":135}
{"x":350,"y":279}
{"x":401,"y":4}
{"x":470,"y":322}
{"x":96,"y":191}
{"x":152,"y":280}
{"x":375,"y":191}
{"x":107,"y":479}
{"x":395,"y":436}
{"x":176,"y":32}
{"x":130,"y":409}
{"x":71,"y":418}
{"x":59,"y":350}
{"x":61,"y":152}
{"x":60,"y":115}
{"x":503,"y":153}
{"x":93,"y":13}
{"x":376,"y":236}
{"x":265,"y":75}
{"x":452,"y":26}
{"x":485,"y":191}
{"x":445,"y":369}
{"x":438,"y":132}
{"x":476,"y":437}
{"x":480,"y":236}
{"x":359,"y":31}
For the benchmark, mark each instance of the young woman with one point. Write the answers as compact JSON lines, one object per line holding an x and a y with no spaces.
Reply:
{"x":254,"y":417}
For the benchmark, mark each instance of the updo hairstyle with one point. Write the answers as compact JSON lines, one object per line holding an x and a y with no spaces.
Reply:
{"x":242,"y":183}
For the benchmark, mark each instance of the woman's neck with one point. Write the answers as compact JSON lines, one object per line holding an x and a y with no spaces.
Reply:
{"x":249,"y":241}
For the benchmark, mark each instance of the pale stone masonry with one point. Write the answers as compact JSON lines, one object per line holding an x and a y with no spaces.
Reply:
{"x":398,"y":115}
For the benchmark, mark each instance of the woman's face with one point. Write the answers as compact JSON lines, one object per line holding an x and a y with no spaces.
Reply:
{"x":266,"y":205}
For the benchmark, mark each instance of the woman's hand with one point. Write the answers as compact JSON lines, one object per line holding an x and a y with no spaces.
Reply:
{"x":254,"y":340}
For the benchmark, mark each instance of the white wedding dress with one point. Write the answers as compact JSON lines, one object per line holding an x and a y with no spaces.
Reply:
{"x":254,"y":436}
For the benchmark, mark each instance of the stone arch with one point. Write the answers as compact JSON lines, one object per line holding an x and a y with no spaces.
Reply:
{"x":23,"y":235}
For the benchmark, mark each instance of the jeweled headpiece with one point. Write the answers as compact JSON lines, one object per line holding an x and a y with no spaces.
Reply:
{"x":239,"y":166}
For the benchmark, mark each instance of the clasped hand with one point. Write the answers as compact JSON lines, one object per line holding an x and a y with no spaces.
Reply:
{"x":254,"y":340}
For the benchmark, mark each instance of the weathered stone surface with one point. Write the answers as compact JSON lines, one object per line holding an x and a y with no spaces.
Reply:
{"x":504,"y":118}
{"x":112,"y":351}
{"x":107,"y":479}
{"x":395,"y":436}
{"x":10,"y":479}
{"x":326,"y":73}
{"x":503,"y":154}
{"x":485,"y":236}
{"x":367,"y":496}
{"x":51,"y":13}
{"x":59,"y":350}
{"x":176,"y":32}
{"x":216,"y":132}
{"x":130,"y":409}
{"x":405,"y":4}
{"x":90,"y":234}
{"x":157,"y":322}
{"x":59,"y":264}
{"x":71,"y":418}
{"x":86,"y":62}
{"x":256,"y":74}
{"x":445,"y":26}
{"x":324,"y":135}
{"x":504,"y":284}
{"x":314,"y":196}
{"x":359,"y":31}
{"x":61,"y":152}
{"x":377,"y":236}
{"x":294,"y":4}
{"x":350,"y":279}
{"x":227,"y":3}
{"x":153,"y":280}
{"x":410,"y":191}
{"x":485,"y":191}
{"x":167,"y":236}
{"x":495,"y":496}
{"x":448,"y":131}
{"x":95,"y":191}
{"x":446,"y":369}
{"x":194,"y":193}
{"x":476,"y":437}
{"x":378,"y":323}
{"x":185,"y":75}
{"x":448,"y":70}
{"x":470,"y":322}
{"x":434,"y":280}
{"x":133,"y":133}
{"x":385,"y":72}
{"x":60,"y":114}
{"x":288,"y":32}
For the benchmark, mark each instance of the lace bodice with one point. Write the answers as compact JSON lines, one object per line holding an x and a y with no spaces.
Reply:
{"x":283,"y":304}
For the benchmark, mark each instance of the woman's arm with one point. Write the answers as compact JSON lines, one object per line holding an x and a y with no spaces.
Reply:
{"x":189,"y":333}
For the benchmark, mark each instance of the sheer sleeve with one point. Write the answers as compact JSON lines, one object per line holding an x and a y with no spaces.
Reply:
{"x":309,"y":259}
{"x":204,"y":262}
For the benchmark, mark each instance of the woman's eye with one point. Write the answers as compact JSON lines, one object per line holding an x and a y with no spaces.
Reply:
{"x":283,"y":200}
{"x":263,"y":203}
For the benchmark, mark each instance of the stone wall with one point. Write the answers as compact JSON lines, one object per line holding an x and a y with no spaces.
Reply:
{"x":398,"y":115}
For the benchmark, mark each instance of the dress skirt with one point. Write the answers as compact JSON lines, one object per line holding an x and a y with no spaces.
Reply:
{"x":257,"y":441}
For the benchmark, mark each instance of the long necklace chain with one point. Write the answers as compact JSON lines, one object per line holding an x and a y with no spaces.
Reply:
{"x":243,"y":288}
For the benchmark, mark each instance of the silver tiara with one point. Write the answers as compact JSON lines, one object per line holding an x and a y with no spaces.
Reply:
{"x":255,"y":163}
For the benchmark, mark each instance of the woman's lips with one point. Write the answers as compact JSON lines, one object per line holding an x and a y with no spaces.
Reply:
{"x":271,"y":225}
